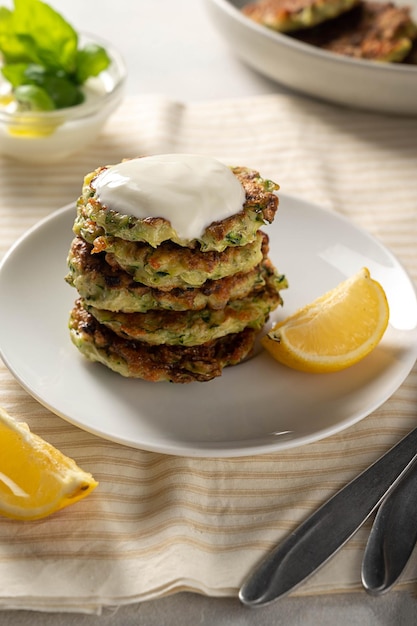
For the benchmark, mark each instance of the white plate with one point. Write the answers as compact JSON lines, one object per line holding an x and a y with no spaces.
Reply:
{"x":383,"y":87}
{"x":256,"y":407}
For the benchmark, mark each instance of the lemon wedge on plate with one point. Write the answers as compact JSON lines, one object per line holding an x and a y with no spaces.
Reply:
{"x":36,"y":479}
{"x":334,"y":331}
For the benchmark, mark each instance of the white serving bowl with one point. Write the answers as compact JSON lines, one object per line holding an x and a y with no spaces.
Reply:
{"x":49,"y":136}
{"x":369,"y":85}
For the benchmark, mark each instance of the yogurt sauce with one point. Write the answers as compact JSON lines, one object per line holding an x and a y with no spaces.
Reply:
{"x":190,"y":191}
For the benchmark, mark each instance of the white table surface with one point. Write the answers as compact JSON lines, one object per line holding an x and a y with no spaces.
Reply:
{"x":172,"y":49}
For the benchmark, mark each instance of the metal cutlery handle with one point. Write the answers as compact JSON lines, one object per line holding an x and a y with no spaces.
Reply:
{"x":393,"y":536}
{"x":329,"y":528}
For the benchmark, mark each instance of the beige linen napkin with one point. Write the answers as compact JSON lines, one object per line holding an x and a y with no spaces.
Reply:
{"x":159,"y":524}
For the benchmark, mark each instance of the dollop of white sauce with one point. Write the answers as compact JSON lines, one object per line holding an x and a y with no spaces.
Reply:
{"x":190,"y":191}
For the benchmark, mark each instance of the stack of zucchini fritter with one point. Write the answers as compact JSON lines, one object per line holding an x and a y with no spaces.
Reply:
{"x":153,"y":308}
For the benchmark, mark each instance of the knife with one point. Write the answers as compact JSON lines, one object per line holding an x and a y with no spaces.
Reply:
{"x":392,"y":538}
{"x":322,"y":534}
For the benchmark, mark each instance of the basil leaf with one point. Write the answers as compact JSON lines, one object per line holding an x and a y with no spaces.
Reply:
{"x":46,"y":35}
{"x":40,"y":50}
{"x":91,"y":60}
{"x":11,"y":47}
{"x":33,"y":98}
{"x":15,"y":73}
{"x":62,"y":91}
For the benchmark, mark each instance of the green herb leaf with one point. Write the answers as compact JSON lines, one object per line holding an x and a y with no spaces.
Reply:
{"x":59,"y":88}
{"x":91,"y":60}
{"x":15,"y":73}
{"x":33,"y":98}
{"x":48,"y":38}
{"x":40,"y":50}
{"x":61,"y":91}
{"x":11,"y":47}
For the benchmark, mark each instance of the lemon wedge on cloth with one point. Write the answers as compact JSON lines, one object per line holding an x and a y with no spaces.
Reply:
{"x":334,"y":331}
{"x":36,"y":479}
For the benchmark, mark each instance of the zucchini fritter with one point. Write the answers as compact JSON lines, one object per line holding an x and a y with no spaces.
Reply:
{"x":107,"y":287}
{"x":238,"y":230}
{"x":170,"y":265}
{"x":192,"y":328}
{"x":290,"y":15}
{"x":136,"y":359}
{"x":373,"y":30}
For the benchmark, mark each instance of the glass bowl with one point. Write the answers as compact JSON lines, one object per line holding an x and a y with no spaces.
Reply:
{"x":48,"y":136}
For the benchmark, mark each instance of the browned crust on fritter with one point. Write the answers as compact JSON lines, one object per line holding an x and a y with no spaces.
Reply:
{"x":176,"y":364}
{"x":255,"y":197}
{"x":214,"y":294}
{"x":372,"y":30}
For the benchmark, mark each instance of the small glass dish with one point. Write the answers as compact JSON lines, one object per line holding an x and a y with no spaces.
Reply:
{"x":48,"y":136}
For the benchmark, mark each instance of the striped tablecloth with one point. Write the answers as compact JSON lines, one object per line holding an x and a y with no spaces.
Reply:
{"x":159,"y":524}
